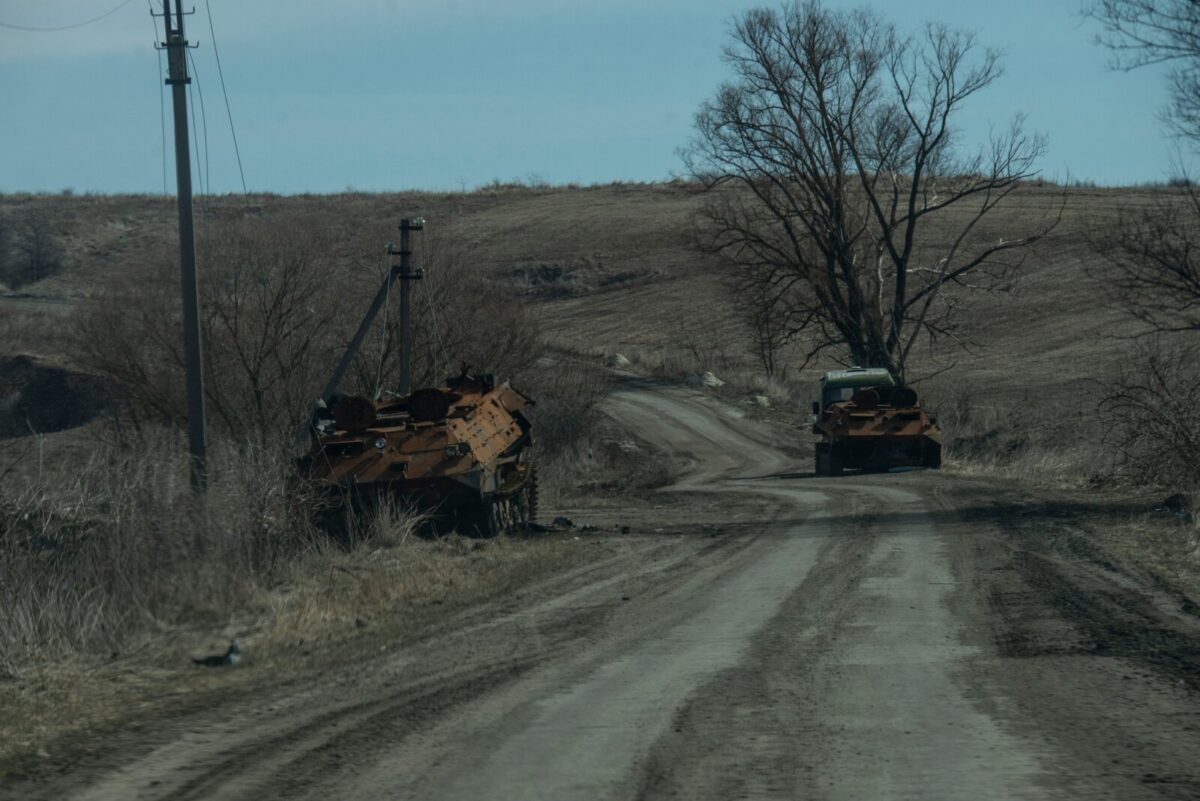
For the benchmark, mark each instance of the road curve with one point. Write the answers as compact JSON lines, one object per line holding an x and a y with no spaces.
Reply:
{"x":843,"y":643}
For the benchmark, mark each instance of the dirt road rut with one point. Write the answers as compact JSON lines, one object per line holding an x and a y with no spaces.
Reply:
{"x":840,"y":639}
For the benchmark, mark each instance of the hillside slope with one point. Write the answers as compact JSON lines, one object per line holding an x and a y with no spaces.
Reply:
{"x":613,"y":269}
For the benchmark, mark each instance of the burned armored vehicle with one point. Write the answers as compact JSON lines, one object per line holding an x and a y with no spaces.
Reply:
{"x":460,"y":452}
{"x":868,"y":422}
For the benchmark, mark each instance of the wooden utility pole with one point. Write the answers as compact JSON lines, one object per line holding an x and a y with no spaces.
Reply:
{"x":408,"y":274}
{"x":177,"y":78}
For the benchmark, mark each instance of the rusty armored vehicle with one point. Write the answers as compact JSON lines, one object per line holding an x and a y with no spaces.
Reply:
{"x":460,"y":452}
{"x":868,"y":422}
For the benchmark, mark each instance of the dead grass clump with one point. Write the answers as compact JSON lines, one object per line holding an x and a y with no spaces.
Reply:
{"x":1163,"y":541}
{"x":98,"y":556}
{"x":1018,"y":436}
{"x":565,"y":418}
{"x":400,"y":588}
{"x":29,"y":327}
{"x":330,"y":606}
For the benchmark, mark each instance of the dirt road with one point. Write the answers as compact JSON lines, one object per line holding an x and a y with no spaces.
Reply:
{"x":782,"y":637}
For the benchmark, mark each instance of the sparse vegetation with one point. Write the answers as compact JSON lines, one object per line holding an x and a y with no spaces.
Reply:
{"x":271,"y":329}
{"x":107,"y":549}
{"x":675,"y":319}
{"x":1150,"y":404}
{"x":94,"y":558}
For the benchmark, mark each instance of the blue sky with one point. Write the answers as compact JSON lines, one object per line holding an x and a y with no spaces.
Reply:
{"x":395,"y":94}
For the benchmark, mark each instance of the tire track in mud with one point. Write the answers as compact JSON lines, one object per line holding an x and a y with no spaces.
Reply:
{"x":1079,"y":656}
{"x":739,"y":735}
{"x":263,"y":749}
{"x":298,"y":755}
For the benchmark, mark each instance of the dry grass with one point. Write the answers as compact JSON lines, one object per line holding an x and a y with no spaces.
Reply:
{"x":333,"y":607}
{"x":1017,"y":403}
{"x":97,"y":554}
{"x":1161,"y":543}
{"x":645,"y":293}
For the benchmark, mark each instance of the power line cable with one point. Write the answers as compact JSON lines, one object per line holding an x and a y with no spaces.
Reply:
{"x":39,"y":29}
{"x":195,"y":137}
{"x":221,"y":74}
{"x":204,"y":122}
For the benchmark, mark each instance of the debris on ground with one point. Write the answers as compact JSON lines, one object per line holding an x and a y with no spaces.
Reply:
{"x":705,"y":379}
{"x":562,"y":522}
{"x":1178,"y":505}
{"x":618,"y":361}
{"x":231,"y":657}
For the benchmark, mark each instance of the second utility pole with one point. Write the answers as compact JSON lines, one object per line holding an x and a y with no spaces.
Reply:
{"x":407,"y":275}
{"x":176,"y":47}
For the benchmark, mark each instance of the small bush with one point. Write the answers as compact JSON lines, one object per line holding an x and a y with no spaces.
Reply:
{"x":1150,"y":412}
{"x":34,"y":252}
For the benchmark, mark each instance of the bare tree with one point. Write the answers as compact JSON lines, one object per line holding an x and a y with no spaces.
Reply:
{"x":845,"y":200}
{"x":1149,"y":407}
{"x":273,"y":322}
{"x":1144,"y":32}
{"x":769,"y":331}
{"x":1153,"y":250}
{"x":276,"y":317}
{"x":1153,"y":259}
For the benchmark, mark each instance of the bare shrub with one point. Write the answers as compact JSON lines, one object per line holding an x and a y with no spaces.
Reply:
{"x":273,"y":320}
{"x":770,"y":331}
{"x":1150,"y":411}
{"x":567,"y":396}
{"x":34,"y":252}
{"x":1025,"y":435}
{"x":567,"y":399}
{"x":276,"y":316}
{"x":460,"y":316}
{"x":979,"y":428}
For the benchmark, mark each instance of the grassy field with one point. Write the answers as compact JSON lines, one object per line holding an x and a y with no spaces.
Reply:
{"x":602,"y":270}
{"x":611,"y":269}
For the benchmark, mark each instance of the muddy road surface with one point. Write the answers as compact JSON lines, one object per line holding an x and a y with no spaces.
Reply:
{"x":771,"y":635}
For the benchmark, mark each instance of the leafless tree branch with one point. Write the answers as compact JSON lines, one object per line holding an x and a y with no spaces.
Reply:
{"x":829,"y":159}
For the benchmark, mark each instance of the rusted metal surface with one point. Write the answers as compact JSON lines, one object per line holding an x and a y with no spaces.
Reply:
{"x":461,"y":450}
{"x":877,"y":428}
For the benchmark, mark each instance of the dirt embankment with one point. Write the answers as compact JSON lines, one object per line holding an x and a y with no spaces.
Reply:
{"x":39,"y":398}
